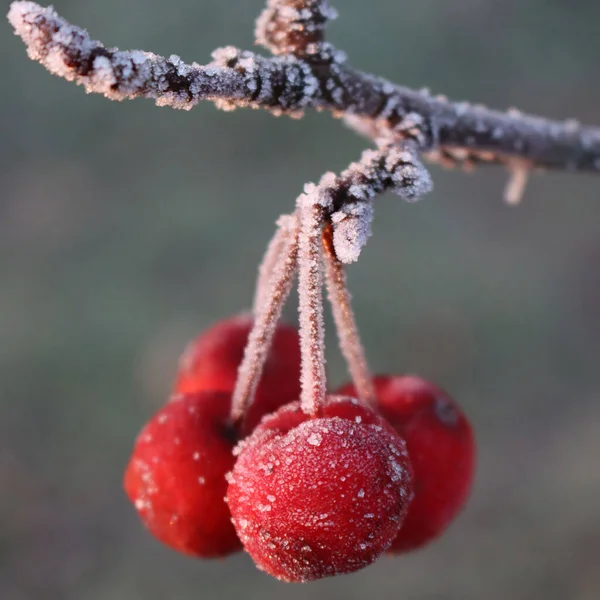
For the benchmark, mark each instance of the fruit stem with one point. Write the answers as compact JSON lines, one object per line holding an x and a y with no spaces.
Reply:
{"x":265,"y":270}
{"x":310,"y":284}
{"x":345,"y":323}
{"x":265,"y":321}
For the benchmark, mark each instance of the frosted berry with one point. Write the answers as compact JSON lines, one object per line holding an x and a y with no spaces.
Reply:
{"x":211,"y":362}
{"x":315,"y":497}
{"x":176,"y":475}
{"x":441,"y":447}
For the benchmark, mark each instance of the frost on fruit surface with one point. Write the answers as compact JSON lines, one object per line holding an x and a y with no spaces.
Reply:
{"x":342,"y":490}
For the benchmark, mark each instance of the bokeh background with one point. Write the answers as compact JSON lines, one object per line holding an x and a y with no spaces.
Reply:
{"x":126,"y":229}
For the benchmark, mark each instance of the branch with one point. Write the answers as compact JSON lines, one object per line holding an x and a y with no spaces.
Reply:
{"x":233,"y":79}
{"x":312,"y":75}
{"x":349,"y":196}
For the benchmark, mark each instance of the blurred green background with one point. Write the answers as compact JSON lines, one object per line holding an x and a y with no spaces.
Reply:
{"x":125,"y":229}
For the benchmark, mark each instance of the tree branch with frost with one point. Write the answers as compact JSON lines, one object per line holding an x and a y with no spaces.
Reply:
{"x":348,"y":198}
{"x":309,"y":73}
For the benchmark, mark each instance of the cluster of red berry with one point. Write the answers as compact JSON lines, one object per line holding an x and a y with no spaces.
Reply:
{"x":309,"y":488}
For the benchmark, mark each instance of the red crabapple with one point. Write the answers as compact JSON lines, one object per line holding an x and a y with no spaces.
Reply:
{"x":211,"y":362}
{"x":441,"y":447}
{"x":176,"y":474}
{"x":315,"y":497}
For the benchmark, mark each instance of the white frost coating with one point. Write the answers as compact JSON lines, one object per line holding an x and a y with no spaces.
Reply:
{"x":410,"y":178}
{"x":352,"y":230}
{"x":314,"y":439}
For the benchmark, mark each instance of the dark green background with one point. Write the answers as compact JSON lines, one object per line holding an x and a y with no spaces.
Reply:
{"x":125,"y":229}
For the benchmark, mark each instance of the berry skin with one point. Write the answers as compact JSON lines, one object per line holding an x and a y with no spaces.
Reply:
{"x":441,"y":447}
{"x":211,"y":362}
{"x":316,"y":497}
{"x":176,"y":475}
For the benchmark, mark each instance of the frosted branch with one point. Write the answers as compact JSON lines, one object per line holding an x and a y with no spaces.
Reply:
{"x":233,"y":79}
{"x":396,"y":168}
{"x":309,"y":74}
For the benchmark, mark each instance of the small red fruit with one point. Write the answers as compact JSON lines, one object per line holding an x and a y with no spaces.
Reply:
{"x":441,"y":447}
{"x":176,"y":474}
{"x":316,"y":497}
{"x":211,"y":362}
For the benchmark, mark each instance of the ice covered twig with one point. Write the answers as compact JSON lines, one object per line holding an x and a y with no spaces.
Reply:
{"x":233,"y":79}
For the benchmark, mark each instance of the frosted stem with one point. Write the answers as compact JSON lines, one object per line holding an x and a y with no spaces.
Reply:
{"x":270,"y":259}
{"x":310,"y":284}
{"x":265,"y":322}
{"x":349,"y":339}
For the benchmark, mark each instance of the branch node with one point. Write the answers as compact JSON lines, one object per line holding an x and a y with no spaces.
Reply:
{"x":295,"y":27}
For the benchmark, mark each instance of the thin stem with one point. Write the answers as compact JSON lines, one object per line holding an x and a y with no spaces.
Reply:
{"x":349,"y":339}
{"x":310,"y":284}
{"x":259,"y":340}
{"x":269,"y":262}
